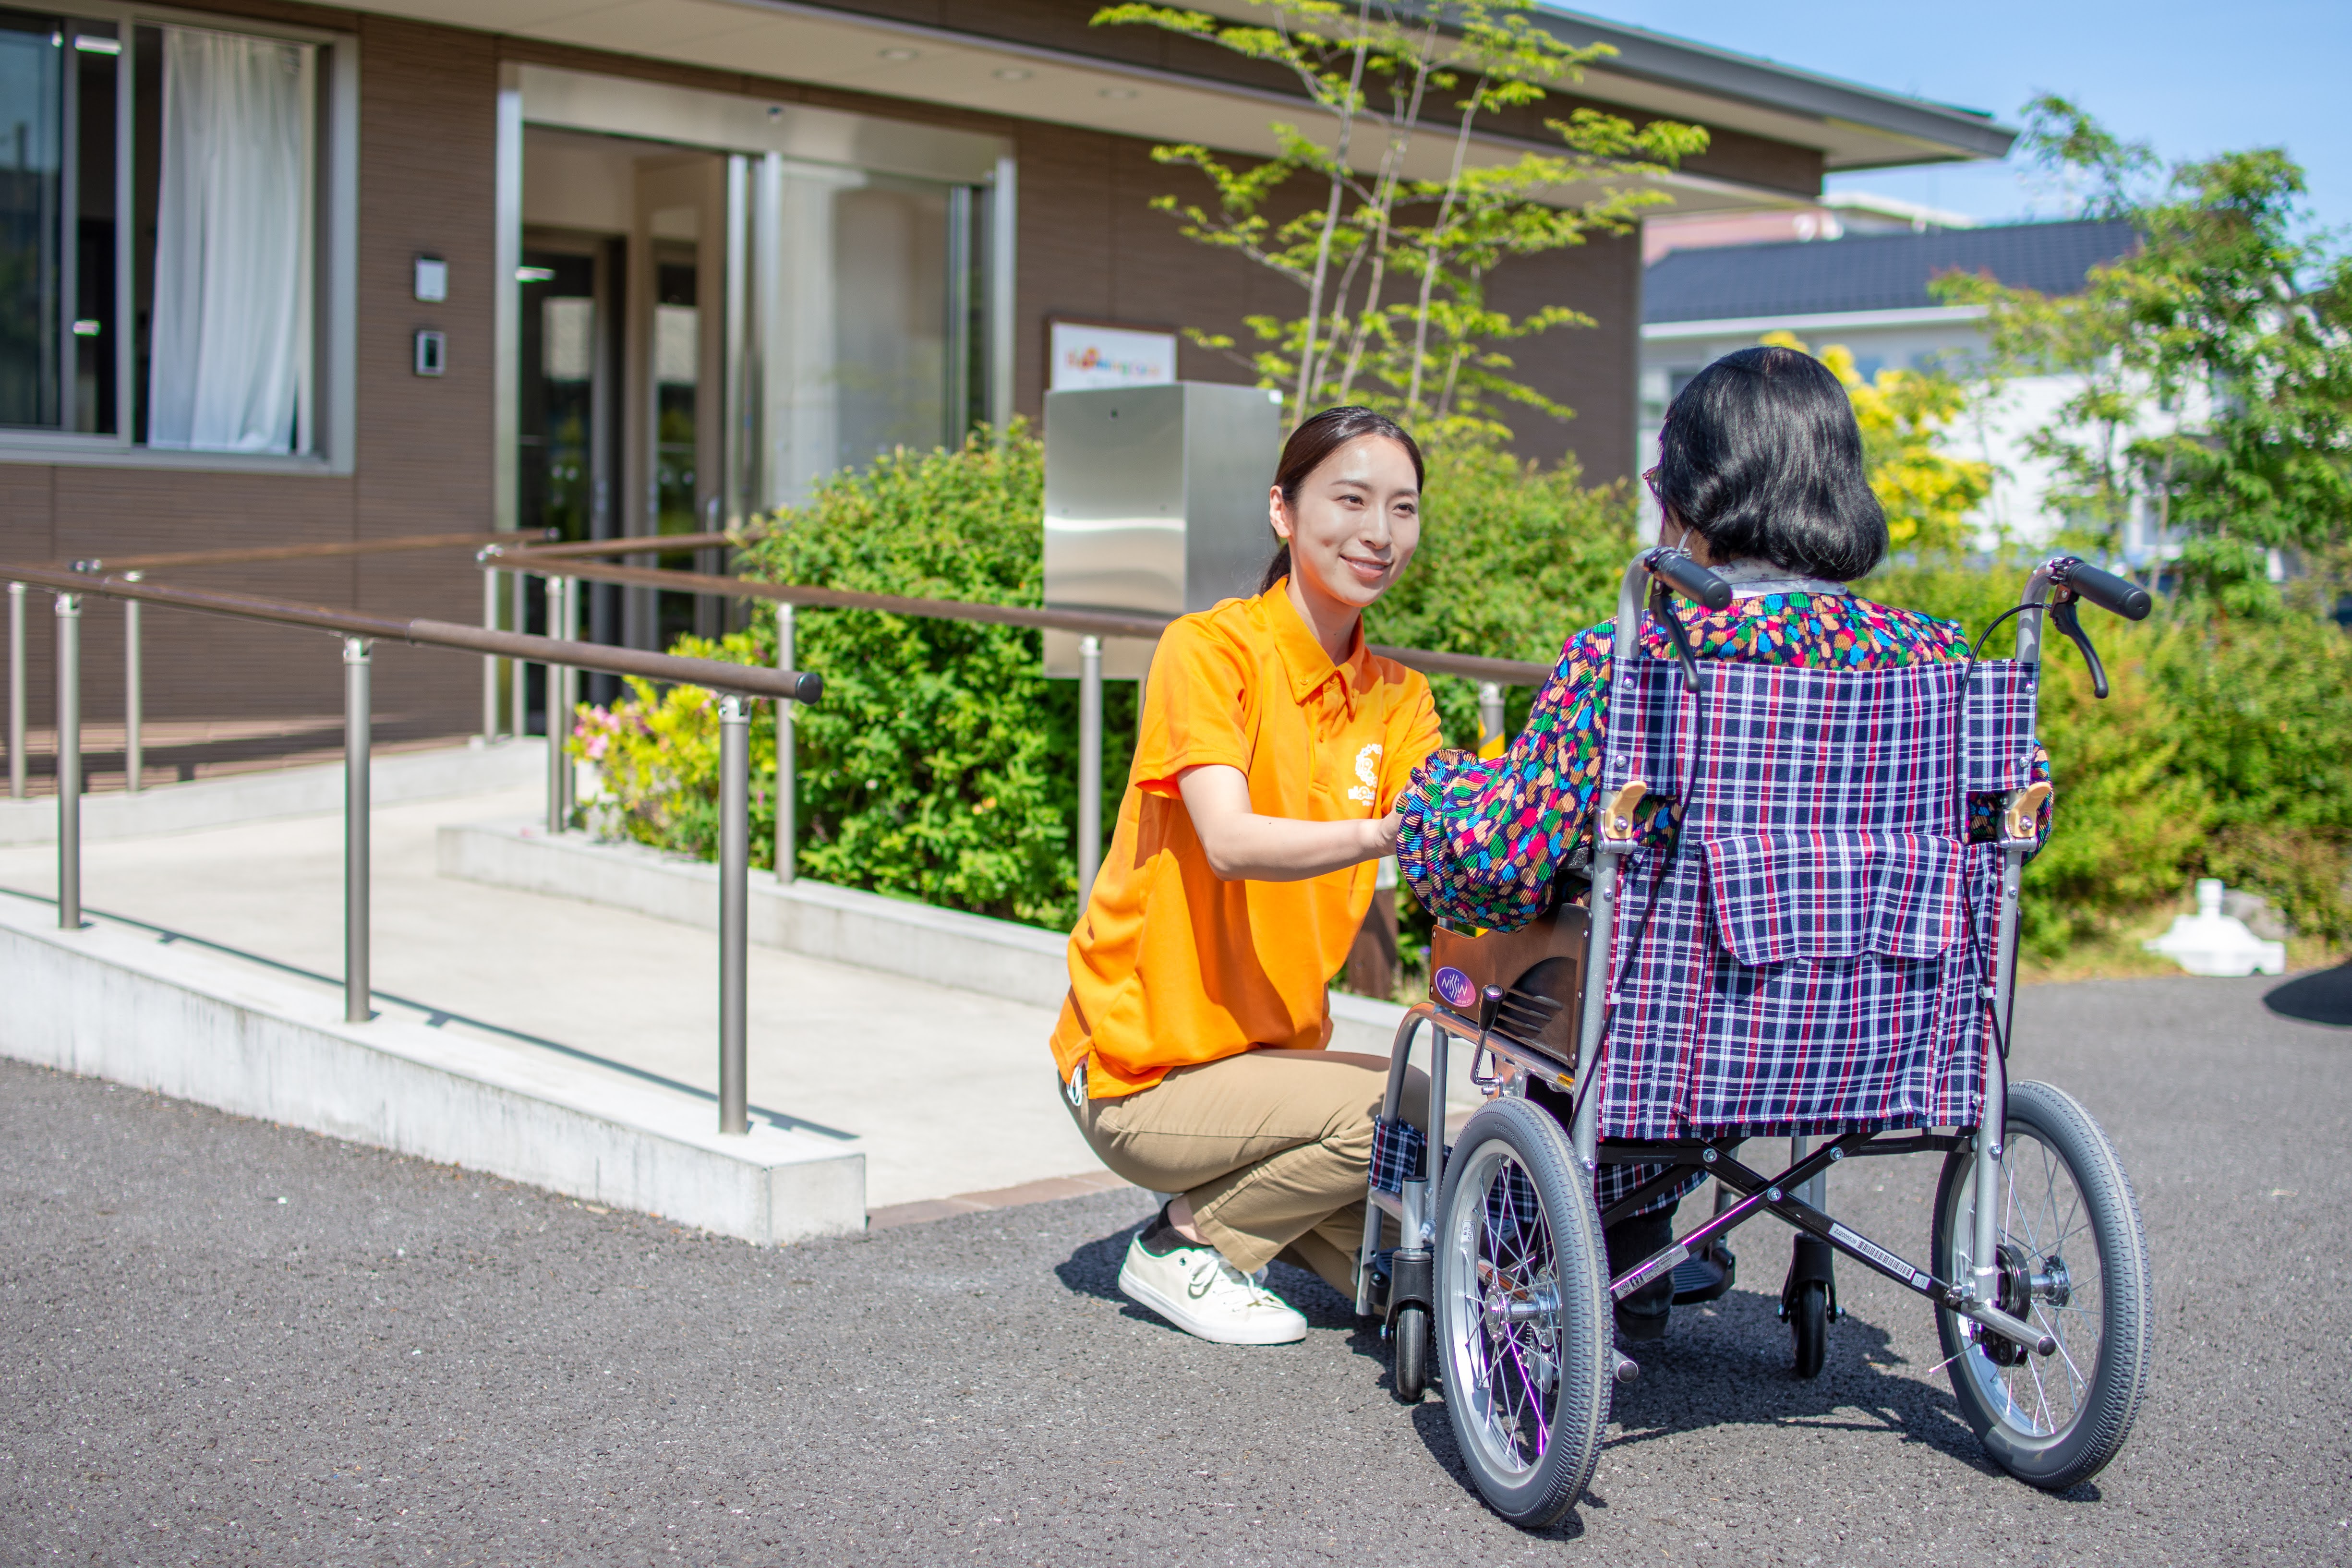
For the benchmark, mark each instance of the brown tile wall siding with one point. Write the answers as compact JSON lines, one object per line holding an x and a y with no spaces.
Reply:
{"x":1089,"y":247}
{"x":427,"y":99}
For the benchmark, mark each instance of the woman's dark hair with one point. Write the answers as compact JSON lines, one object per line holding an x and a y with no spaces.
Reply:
{"x":1760,"y":455}
{"x":1310,"y":445}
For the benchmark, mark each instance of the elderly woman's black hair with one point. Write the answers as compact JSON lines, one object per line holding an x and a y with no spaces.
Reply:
{"x":1315,"y":439}
{"x":1762,"y":456}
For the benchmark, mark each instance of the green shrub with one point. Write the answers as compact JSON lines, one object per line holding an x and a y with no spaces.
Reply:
{"x":940,"y":765}
{"x":2218,"y":752}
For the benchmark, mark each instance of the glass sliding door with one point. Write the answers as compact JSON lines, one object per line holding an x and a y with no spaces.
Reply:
{"x":767,"y":319}
{"x":864,"y":300}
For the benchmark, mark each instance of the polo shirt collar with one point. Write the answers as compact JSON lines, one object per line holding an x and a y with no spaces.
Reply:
{"x":1303,"y":658}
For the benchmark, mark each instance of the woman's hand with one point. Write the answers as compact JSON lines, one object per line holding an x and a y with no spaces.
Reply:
{"x":1242,"y":846}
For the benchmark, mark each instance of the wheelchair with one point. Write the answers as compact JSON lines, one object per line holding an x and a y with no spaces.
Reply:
{"x":1819,"y":955}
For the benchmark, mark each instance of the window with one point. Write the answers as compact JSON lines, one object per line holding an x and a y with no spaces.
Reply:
{"x":159,"y":237}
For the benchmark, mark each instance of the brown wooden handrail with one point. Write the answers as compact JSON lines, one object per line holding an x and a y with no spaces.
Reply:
{"x":1093,"y":622}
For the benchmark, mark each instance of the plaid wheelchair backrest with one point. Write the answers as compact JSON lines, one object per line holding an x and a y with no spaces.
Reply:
{"x":1799,"y":959}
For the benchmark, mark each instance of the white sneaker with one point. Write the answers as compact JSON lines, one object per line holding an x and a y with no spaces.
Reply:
{"x":1196,"y":1289}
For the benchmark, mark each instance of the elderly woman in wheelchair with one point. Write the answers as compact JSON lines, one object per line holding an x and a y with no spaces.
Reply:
{"x":1750,"y":871}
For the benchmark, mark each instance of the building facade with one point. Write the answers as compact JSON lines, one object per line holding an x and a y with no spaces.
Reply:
{"x":277,"y":273}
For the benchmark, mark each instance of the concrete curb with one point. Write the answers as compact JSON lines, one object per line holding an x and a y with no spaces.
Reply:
{"x":945,"y":947}
{"x":110,"y":1002}
{"x":287,"y":791}
{"x":897,"y":936}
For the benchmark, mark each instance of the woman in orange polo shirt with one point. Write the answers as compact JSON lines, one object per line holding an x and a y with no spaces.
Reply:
{"x":1191,"y":1045}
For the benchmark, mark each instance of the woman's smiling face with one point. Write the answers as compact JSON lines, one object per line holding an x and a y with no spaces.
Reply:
{"x":1355,"y":524}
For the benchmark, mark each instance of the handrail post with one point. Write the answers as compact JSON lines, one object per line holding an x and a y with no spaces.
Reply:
{"x":574,"y":591}
{"x":489,"y":660}
{"x":356,"y":987}
{"x":787,"y":761}
{"x":519,"y":689}
{"x":556,"y":627}
{"x":16,"y":691}
{"x":734,"y":869}
{"x":1090,"y":746}
{"x":1490,"y":713}
{"x":68,"y":608}
{"x":133,"y":697}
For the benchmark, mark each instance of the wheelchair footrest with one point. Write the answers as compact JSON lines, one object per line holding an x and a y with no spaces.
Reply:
{"x":1705,"y":1275}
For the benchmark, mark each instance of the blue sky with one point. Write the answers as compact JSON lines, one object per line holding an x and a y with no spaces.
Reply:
{"x":2192,"y":79}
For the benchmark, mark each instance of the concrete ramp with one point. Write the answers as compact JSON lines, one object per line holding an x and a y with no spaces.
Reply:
{"x":114,"y":1000}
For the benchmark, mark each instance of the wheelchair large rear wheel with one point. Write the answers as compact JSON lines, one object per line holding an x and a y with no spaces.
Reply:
{"x":1523,"y":1314}
{"x":2073,"y":1263}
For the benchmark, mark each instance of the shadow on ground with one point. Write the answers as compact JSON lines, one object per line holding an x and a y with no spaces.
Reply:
{"x":2324,"y":997}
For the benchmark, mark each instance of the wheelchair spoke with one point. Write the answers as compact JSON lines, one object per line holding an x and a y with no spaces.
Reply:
{"x":1509,"y":1298}
{"x":2042,"y":1214}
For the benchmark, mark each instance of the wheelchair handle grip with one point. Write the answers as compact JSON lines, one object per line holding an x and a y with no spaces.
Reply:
{"x":2119,"y":595}
{"x":1688,"y":578}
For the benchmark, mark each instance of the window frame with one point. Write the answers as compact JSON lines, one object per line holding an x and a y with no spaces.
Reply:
{"x":333,"y":418}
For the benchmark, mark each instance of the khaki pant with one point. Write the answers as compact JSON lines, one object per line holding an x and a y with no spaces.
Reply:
{"x":1273,"y":1147}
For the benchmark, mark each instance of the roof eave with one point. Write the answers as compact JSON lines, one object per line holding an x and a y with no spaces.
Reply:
{"x":1939,"y":132}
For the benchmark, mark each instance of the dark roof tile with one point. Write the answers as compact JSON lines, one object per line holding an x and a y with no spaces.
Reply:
{"x":1871,"y":272}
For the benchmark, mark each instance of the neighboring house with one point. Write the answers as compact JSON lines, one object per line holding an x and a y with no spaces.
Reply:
{"x":273,"y":272}
{"x":1870,"y":293}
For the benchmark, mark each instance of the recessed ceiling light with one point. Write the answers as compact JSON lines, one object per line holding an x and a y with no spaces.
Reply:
{"x":1118,"y":92}
{"x":898,"y":54}
{"x":1012,"y":73}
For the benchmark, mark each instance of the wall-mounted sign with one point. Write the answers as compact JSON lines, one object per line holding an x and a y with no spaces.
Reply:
{"x":1084,"y":354}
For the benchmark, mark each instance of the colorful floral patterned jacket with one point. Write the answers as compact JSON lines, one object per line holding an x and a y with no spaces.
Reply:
{"x":1485,"y":840}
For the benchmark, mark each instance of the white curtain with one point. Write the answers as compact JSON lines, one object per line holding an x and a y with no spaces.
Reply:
{"x":232,"y":325}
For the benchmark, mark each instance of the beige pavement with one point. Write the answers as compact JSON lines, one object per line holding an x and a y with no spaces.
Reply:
{"x":951,"y":1091}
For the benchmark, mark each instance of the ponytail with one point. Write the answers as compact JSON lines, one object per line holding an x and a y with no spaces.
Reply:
{"x":1277,"y":569}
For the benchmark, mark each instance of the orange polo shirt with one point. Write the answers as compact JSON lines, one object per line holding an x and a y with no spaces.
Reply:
{"x":1170,"y":966}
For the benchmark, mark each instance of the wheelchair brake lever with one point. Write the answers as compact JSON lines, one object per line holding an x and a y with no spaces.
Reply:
{"x":1662,"y":607}
{"x":2063,"y":612}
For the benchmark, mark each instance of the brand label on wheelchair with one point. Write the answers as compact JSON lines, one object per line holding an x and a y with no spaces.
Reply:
{"x":1878,"y":1254}
{"x":1453,"y":989}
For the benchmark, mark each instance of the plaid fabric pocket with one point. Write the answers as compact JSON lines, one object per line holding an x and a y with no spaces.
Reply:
{"x":1397,"y":1149}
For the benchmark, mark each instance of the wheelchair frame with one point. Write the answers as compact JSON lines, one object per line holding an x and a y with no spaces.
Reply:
{"x":1487,"y":1031}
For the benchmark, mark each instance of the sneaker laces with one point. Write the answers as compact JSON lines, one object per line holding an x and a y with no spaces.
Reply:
{"x":1212,"y":1267}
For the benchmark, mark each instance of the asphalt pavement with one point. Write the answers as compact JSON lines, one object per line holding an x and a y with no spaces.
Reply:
{"x":223,"y":1341}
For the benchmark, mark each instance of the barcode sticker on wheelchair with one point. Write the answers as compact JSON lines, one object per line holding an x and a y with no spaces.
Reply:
{"x":1878,"y":1254}
{"x":1397,"y":1148}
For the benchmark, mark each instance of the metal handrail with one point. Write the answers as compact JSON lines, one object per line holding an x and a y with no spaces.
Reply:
{"x":1091,"y":627}
{"x":717,"y":675}
{"x":359,"y":633}
{"x":631,"y":544}
{"x":1089,"y":622}
{"x":255,"y":554}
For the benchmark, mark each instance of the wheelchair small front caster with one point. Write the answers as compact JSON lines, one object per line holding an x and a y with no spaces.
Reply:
{"x":1410,"y":1336}
{"x":1809,"y":1300}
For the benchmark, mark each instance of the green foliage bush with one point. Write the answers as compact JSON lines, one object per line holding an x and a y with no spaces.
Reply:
{"x":940,"y":763}
{"x":2219,"y":753}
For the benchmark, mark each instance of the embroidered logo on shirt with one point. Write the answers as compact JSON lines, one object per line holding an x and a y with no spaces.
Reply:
{"x":1368,"y":768}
